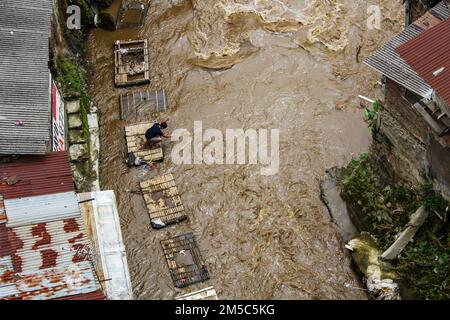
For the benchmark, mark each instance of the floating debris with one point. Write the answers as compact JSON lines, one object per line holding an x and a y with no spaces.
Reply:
{"x":163,"y":201}
{"x":378,"y":275}
{"x":184,"y":260}
{"x":204,"y":294}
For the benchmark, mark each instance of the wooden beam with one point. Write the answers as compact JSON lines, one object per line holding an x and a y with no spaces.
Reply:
{"x":415,"y":222}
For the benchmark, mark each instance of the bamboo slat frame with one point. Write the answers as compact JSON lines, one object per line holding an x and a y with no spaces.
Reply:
{"x":185,"y":275}
{"x":135,"y":136}
{"x":133,"y":101}
{"x":163,"y":200}
{"x":121,"y":70}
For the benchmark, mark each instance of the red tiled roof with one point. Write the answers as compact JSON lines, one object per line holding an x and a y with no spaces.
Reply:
{"x":36,"y":175}
{"x":429,"y":52}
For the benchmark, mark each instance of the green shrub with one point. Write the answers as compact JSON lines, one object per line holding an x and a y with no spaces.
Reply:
{"x":385,"y":211}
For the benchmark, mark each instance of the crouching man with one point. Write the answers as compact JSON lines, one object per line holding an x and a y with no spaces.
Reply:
{"x":155,"y":134}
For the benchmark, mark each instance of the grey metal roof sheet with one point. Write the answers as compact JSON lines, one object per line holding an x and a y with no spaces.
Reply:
{"x":388,"y":62}
{"x":24,"y":76}
{"x":37,"y":209}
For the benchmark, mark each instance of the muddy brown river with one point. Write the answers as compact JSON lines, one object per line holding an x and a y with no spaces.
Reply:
{"x":290,"y":65}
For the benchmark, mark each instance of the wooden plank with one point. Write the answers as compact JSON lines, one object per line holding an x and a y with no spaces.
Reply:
{"x":436,"y":126}
{"x":204,"y":294}
{"x":416,"y":221}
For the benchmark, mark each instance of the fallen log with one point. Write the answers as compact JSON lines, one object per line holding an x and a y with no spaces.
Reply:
{"x":415,"y":222}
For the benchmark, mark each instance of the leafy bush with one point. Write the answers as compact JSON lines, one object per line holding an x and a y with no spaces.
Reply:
{"x":371,"y":116}
{"x":385,"y":211}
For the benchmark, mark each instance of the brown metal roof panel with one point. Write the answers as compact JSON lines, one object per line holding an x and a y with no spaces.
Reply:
{"x":53,"y":283}
{"x":37,"y":261}
{"x":429,"y":55}
{"x":2,"y":210}
{"x":96,"y":295}
{"x":45,"y":245}
{"x":387,"y":61}
{"x":39,"y":175}
{"x":5,"y":247}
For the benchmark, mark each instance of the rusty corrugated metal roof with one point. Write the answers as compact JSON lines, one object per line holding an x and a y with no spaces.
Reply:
{"x":2,"y":210}
{"x":46,"y":257}
{"x":429,"y":55}
{"x":52,"y":283}
{"x":96,"y":295}
{"x":38,"y":175}
{"x":387,"y":61}
{"x":46,"y":261}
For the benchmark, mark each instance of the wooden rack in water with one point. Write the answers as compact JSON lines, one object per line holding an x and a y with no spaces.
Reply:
{"x":184,"y":260}
{"x":131,"y":62}
{"x":136,"y":143}
{"x":163,"y":201}
{"x":135,"y":103}
{"x":132,"y":14}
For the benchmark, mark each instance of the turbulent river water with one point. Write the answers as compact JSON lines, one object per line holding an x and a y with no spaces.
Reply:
{"x":288,"y":64}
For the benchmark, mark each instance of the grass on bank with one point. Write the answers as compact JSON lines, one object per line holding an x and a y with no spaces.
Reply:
{"x":73,"y":82}
{"x":384,"y":211}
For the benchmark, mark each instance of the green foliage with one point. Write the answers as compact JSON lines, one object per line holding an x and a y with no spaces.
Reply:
{"x":362,"y":190}
{"x":101,"y":4}
{"x":385,"y":211}
{"x":371,"y":116}
{"x":87,"y":14}
{"x":75,"y":38}
{"x":424,"y":265}
{"x":426,"y":4}
{"x":73,"y":82}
